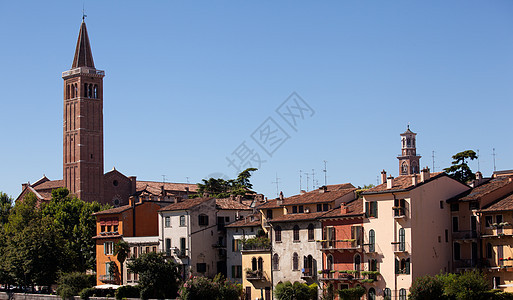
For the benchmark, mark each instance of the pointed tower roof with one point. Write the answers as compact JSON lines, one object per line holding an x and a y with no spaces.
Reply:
{"x":408,"y":131}
{"x":83,"y":54}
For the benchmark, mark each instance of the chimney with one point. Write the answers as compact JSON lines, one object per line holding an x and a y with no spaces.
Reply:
{"x":162,"y":191}
{"x":414,"y":179}
{"x":232,"y":197}
{"x":280,"y":199}
{"x":177,"y":199}
{"x":343,"y":209}
{"x":24,"y":185}
{"x":383,"y":176}
{"x":323,"y":189}
{"x":131,"y":201}
{"x":390,"y":182}
{"x":424,"y":174}
{"x":133,"y":182}
{"x":302,"y":192}
{"x":238,"y":198}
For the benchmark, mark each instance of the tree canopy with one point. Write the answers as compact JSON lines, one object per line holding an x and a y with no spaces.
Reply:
{"x":459,"y":169}
{"x":221,"y":188}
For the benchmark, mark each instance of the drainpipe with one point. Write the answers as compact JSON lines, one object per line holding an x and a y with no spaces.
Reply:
{"x":395,"y":240}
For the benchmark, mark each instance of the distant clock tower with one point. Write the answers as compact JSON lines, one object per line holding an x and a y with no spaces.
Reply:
{"x":83,"y":124}
{"x":409,"y":161}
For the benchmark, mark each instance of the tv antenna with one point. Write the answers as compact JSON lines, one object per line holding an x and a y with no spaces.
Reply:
{"x":300,"y":179}
{"x":493,"y":154}
{"x":187,"y":179}
{"x":277,"y":182}
{"x":478,"y":166}
{"x":313,"y":179}
{"x":163,"y":178}
{"x":325,"y":174}
{"x":307,"y":179}
{"x":433,"y":157}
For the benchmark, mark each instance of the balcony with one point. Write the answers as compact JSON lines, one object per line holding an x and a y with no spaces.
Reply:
{"x":465,"y":263}
{"x":257,"y":244}
{"x":256,"y":275}
{"x":399,"y":247}
{"x":180,"y":253}
{"x":307,"y":273}
{"x":340,"y":245}
{"x":464,"y":235}
{"x":344,"y":275}
{"x":399,"y":212}
{"x":107,"y":279}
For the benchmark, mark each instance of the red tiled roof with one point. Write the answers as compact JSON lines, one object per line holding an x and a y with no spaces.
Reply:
{"x":486,"y":188}
{"x":155,"y":187}
{"x":246,"y":222}
{"x":51,"y":184}
{"x":310,"y":197}
{"x":185,"y":204}
{"x":353,"y":208}
{"x":115,"y":210}
{"x":297,"y":217}
{"x":228,"y":203}
{"x":403,"y":182}
{"x":503,"y":204}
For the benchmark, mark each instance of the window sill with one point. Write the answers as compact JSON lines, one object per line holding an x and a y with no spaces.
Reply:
{"x":278,"y":242}
{"x":296,"y":241}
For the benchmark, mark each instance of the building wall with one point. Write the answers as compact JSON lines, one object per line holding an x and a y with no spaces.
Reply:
{"x":258,"y":288}
{"x":234,"y":256}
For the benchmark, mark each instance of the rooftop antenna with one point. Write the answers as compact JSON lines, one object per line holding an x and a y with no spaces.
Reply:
{"x":493,"y":154}
{"x":433,"y":156}
{"x":478,"y":166}
{"x":377,"y":180}
{"x":313,"y":179}
{"x":325,"y":174}
{"x":163,"y":178}
{"x":300,"y":179}
{"x":307,"y":179}
{"x":277,"y":182}
{"x":187,"y":179}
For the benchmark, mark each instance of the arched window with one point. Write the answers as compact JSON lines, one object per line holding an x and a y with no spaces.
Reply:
{"x":277,"y":234}
{"x":276,"y":261}
{"x":372,"y":294}
{"x":85,"y":90}
{"x":254,"y":264}
{"x":75,"y":90}
{"x":329,"y":262}
{"x":95,"y":92}
{"x":357,"y":261}
{"x":387,"y":294}
{"x":296,"y":233}
{"x":260,"y":264}
{"x":295,"y":261}
{"x":402,"y":240}
{"x":404,"y":168}
{"x":90,"y":90}
{"x":372,"y":240}
{"x":489,"y":250}
{"x":67,"y":91}
{"x":402,"y":294}
{"x":311,"y":235}
{"x":414,"y":168}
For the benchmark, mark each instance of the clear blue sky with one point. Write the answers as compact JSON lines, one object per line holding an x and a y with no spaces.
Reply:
{"x":188,"y":81}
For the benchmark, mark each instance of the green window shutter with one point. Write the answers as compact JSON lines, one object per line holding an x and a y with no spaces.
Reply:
{"x":407,"y":266}
{"x":105,"y":248}
{"x":367,"y":209}
{"x":234,"y":273}
{"x":396,"y":266}
{"x":375,"y":212}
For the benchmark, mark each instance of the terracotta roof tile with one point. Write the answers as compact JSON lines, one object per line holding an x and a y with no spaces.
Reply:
{"x":310,"y":197}
{"x":353,"y":208}
{"x":297,"y":217}
{"x":51,"y":184}
{"x":228,"y":203}
{"x":115,"y":210}
{"x":185,"y":204}
{"x":246,"y":222}
{"x":486,"y":188}
{"x":503,"y":204}
{"x":154,"y":187}
{"x":402,"y":183}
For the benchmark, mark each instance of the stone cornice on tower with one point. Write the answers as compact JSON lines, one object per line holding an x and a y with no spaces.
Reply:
{"x":83,"y":54}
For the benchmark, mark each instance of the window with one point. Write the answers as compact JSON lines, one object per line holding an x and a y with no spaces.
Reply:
{"x":372,"y":294}
{"x":295,"y":231}
{"x":295,"y":261}
{"x":473,"y":205}
{"x":201,"y":267}
{"x":182,"y":246}
{"x":135,"y":252}
{"x":372,"y":240}
{"x":102,"y":228}
{"x":446,"y":236}
{"x":147,"y":249}
{"x":260,"y":264}
{"x":167,"y":222}
{"x":236,"y":245}
{"x":168,"y":247}
{"x":311,"y":235}
{"x":154,"y":249}
{"x":455,"y":224}
{"x":402,"y":266}
{"x":108,"y":248}
{"x":294,"y":209}
{"x":325,"y":207}
{"x":357,"y":261}
{"x":387,"y":293}
{"x":441,"y":205}
{"x":319,"y":207}
{"x":500,"y":254}
{"x":488,"y":221}
{"x":329,"y":262}
{"x":496,"y":281}
{"x":455,"y":206}
{"x":399,"y":207}
{"x":402,"y":240}
{"x":115,"y":228}
{"x":276,"y":262}
{"x":182,"y":221}
{"x":203,"y":220}
{"x":457,"y":253}
{"x":371,"y":209}
{"x":277,"y":234}
{"x":498,"y":219}
{"x":489,"y":250}
{"x":402,"y":294}
{"x":301,"y":209}
{"x":236,"y":271}
{"x":269,"y":214}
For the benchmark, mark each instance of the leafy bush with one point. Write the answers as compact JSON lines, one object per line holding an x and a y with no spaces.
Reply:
{"x":203,"y":288}
{"x":70,"y":284}
{"x":127,"y":291}
{"x":296,"y":291}
{"x":86,"y":293}
{"x":427,"y":288}
{"x":467,"y":285}
{"x":352,"y":293}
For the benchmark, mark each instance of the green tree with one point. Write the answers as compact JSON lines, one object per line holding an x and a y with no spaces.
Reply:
{"x":5,"y":208}
{"x":121,"y":250}
{"x":459,"y":169}
{"x":158,"y":278}
{"x":71,"y":284}
{"x":220,"y":188}
{"x":352,"y":293}
{"x":427,"y":288}
{"x":467,"y":285}
{"x":295,"y":291}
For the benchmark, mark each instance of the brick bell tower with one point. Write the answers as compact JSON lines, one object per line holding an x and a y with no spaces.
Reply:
{"x":83,"y":124}
{"x":408,"y":160}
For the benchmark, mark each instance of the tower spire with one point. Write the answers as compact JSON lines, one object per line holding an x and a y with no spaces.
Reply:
{"x":83,"y":54}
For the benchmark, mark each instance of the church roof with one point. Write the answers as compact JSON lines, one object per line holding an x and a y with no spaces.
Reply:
{"x":83,"y":55}
{"x":408,"y":131}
